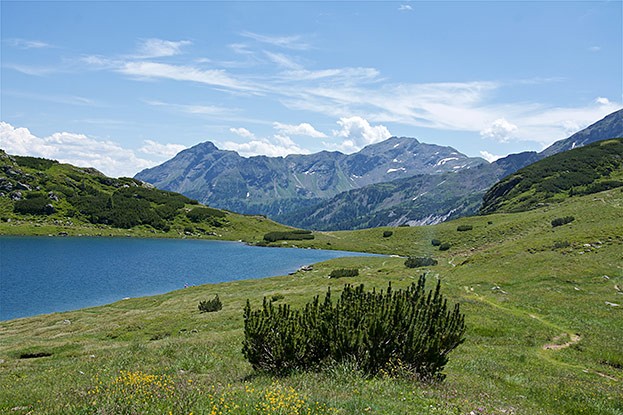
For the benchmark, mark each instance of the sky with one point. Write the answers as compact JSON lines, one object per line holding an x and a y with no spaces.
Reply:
{"x":122,"y":86}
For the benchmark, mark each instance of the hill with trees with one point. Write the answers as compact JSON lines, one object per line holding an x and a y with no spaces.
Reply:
{"x":585,"y":170}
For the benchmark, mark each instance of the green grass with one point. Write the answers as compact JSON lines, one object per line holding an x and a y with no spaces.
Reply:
{"x":518,"y":288}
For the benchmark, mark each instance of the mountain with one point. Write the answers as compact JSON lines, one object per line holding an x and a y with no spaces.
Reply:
{"x":431,"y":199}
{"x":609,"y":127}
{"x":278,"y":185}
{"x":584,"y":170}
{"x":46,"y":196}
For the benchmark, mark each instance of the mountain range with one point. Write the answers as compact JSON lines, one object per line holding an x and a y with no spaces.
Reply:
{"x":276,"y":186}
{"x":399,"y":181}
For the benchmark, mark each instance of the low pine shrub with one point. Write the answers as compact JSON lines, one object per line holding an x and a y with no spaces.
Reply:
{"x":208,"y":306}
{"x":387,"y":234}
{"x":344,"y":272}
{"x":562,"y":221}
{"x":463,"y":228}
{"x":376,"y":331}
{"x":416,"y":262}
{"x":295,"y":235}
{"x":435,"y":242}
{"x":444,"y":246}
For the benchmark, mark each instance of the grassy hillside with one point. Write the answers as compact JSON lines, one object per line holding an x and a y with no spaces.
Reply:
{"x":42,"y":197}
{"x":543,"y":306}
{"x":584,"y":170}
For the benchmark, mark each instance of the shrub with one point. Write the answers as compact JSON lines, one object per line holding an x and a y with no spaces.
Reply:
{"x":277,"y":297}
{"x":416,"y":262}
{"x":344,"y":272}
{"x":562,"y":221}
{"x":377,"y":331}
{"x":387,"y":234}
{"x":38,"y":205}
{"x":208,"y":306}
{"x":561,"y":244}
{"x":200,"y":214}
{"x":435,"y":242}
{"x":463,"y":228}
{"x":295,"y":235}
{"x":444,"y":246}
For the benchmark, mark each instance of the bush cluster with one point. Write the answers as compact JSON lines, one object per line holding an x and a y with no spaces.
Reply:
{"x":296,"y":235}
{"x":208,"y":306}
{"x":444,"y":246}
{"x":205,"y":214}
{"x":562,"y":221}
{"x":435,"y":242}
{"x":344,"y":272}
{"x":387,"y":234}
{"x":416,"y":262}
{"x":463,"y":228}
{"x":376,"y":331}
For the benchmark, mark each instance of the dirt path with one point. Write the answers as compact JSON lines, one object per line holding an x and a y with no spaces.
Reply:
{"x":573,"y":339}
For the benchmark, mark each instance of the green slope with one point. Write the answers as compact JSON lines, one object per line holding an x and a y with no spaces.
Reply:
{"x":543,"y":308}
{"x":586,"y":170}
{"x":41,"y":197}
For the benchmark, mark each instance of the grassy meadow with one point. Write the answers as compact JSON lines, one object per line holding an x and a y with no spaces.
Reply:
{"x":543,"y":306}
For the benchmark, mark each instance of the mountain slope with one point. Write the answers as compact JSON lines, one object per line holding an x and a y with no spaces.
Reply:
{"x":585,"y":170}
{"x":610,"y":126}
{"x":46,"y":196}
{"x":277,"y":185}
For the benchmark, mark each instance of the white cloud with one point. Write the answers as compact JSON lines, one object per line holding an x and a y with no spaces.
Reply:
{"x":28,"y":44}
{"x":210,"y":110}
{"x":283,"y":60}
{"x":215,"y":77}
{"x":405,"y":8}
{"x":500,"y":130}
{"x":602,"y":101}
{"x":159,"y":149}
{"x":78,"y":149}
{"x":288,"y":42}
{"x":357,"y":133}
{"x":489,"y":157}
{"x":303,"y":129}
{"x":158,"y":48}
{"x":279,"y":146}
{"x":242,"y":132}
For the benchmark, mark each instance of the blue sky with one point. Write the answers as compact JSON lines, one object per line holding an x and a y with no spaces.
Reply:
{"x":122,"y":86}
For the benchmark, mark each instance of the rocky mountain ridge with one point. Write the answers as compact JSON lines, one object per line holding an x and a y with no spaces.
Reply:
{"x":279,"y":185}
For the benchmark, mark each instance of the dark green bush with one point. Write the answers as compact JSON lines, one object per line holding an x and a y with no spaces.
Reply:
{"x":444,"y":246}
{"x":377,"y":331}
{"x":38,"y":205}
{"x":277,"y":297}
{"x":561,"y":244}
{"x":344,"y":272}
{"x":295,"y":235}
{"x":435,"y":242}
{"x":387,"y":234}
{"x":208,"y":306}
{"x":201,"y":214}
{"x":35,"y":162}
{"x":463,"y":228}
{"x":416,"y":262}
{"x":562,"y":221}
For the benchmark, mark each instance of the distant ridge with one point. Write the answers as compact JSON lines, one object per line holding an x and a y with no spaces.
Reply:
{"x":278,"y":185}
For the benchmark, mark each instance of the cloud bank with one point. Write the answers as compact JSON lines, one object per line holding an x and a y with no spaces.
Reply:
{"x":80,"y":150}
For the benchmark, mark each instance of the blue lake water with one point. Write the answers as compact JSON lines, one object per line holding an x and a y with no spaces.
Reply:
{"x":41,"y":275}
